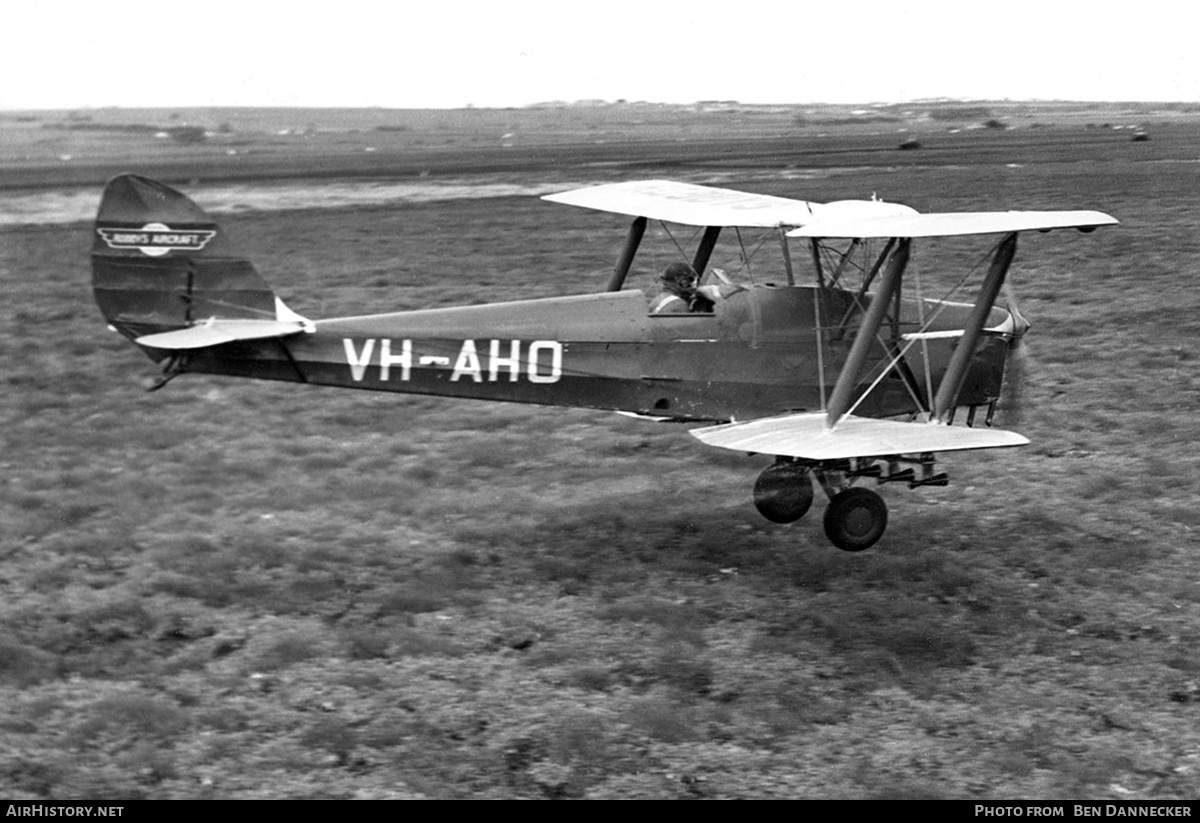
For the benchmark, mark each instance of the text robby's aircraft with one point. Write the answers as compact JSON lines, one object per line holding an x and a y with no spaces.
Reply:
{"x":838,"y":383}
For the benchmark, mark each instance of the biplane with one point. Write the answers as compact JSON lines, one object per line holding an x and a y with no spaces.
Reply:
{"x":842,"y":379}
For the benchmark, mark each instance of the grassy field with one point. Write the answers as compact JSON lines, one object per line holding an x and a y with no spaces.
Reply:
{"x":243,"y":590}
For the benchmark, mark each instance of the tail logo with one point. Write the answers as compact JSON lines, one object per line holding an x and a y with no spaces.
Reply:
{"x":156,"y":239}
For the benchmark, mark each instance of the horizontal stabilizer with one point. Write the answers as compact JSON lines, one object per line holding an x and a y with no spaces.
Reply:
{"x":950,"y":224}
{"x":805,"y":436}
{"x":217,"y":331}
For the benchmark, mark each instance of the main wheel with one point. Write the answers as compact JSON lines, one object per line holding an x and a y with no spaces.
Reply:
{"x":783,"y":493}
{"x":855,"y":519}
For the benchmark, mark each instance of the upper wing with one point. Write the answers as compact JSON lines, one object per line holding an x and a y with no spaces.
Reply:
{"x":805,"y":436}
{"x":689,"y":204}
{"x":694,"y":205}
{"x":708,"y":205}
{"x":949,"y":223}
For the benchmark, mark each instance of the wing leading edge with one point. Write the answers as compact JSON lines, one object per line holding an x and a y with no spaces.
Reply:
{"x":805,"y":436}
{"x":693,"y":205}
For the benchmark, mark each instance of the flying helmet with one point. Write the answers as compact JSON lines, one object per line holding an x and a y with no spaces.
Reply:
{"x":679,"y":274}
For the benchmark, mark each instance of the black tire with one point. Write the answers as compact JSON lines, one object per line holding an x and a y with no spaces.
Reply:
{"x":783,"y":493}
{"x":855,"y":519}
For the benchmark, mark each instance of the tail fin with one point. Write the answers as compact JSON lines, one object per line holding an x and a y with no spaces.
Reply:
{"x":160,"y":263}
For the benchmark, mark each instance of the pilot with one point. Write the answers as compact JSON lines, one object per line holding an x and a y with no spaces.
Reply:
{"x":680,"y":292}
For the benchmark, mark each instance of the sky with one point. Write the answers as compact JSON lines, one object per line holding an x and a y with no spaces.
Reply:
{"x":445,"y":54}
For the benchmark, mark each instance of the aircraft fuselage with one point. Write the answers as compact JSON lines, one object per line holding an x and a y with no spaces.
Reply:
{"x":757,"y":354}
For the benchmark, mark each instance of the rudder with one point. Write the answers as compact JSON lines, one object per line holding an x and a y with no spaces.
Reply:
{"x":160,"y":262}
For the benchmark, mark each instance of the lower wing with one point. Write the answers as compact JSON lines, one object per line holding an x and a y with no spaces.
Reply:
{"x":806,"y":436}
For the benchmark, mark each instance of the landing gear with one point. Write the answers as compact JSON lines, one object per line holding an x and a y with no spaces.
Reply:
{"x":783,"y":493}
{"x":855,"y":519}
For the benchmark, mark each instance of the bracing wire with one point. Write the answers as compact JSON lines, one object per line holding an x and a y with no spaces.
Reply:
{"x":893,"y":361}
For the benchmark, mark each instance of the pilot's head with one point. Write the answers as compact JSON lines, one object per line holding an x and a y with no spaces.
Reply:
{"x":679,"y":278}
